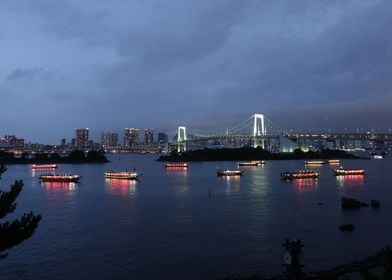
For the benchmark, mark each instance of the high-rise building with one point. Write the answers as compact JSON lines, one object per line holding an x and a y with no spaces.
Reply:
{"x":131,"y":137}
{"x":12,"y":141}
{"x":81,"y":138}
{"x":63,"y":142}
{"x":148,"y":136}
{"x":114,"y":140}
{"x":162,"y":138}
{"x":106,"y":138}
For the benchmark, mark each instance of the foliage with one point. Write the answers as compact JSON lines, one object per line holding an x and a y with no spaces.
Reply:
{"x":15,"y":232}
{"x":94,"y":156}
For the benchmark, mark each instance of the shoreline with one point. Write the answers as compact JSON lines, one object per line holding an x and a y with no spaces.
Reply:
{"x":75,"y":157}
{"x":374,"y":265}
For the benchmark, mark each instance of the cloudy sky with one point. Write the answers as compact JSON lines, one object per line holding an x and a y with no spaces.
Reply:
{"x":107,"y":65}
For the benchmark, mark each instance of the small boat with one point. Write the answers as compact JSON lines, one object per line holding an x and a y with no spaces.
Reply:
{"x":176,"y":165}
{"x":122,"y":175}
{"x":378,"y":157}
{"x":314,"y":162}
{"x":333,"y":161}
{"x":60,"y":178}
{"x":299,"y":175}
{"x":352,"y":171}
{"x":251,"y":163}
{"x":229,"y":172}
{"x":44,"y":166}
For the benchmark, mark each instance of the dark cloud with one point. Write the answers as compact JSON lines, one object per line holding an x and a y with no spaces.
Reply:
{"x":206,"y":64}
{"x":22,"y":74}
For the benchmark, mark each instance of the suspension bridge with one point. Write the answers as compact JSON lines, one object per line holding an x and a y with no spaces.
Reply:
{"x":255,"y":131}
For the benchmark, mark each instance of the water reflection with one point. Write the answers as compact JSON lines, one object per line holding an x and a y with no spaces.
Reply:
{"x":232,"y":183}
{"x":261,"y":181}
{"x":305,"y":184}
{"x":350,"y":180}
{"x":177,"y":171}
{"x":69,"y":187}
{"x":38,"y":172}
{"x":121,"y":187}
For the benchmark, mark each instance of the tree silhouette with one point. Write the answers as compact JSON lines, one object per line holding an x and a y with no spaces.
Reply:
{"x":13,"y":233}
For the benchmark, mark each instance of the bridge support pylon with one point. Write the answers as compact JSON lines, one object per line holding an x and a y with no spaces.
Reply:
{"x":259,"y":131}
{"x":181,"y":139}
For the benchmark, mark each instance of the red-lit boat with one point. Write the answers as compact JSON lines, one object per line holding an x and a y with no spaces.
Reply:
{"x":176,"y":165}
{"x":60,"y":178}
{"x":228,"y":172}
{"x":44,"y":166}
{"x":299,"y":175}
{"x":122,"y":175}
{"x":352,"y":171}
{"x":251,"y":163}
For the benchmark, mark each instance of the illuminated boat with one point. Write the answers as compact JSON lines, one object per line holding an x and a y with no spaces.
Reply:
{"x":44,"y":166}
{"x":333,"y":161}
{"x":176,"y":165}
{"x":378,"y":157}
{"x":353,"y":171}
{"x":299,"y":175}
{"x":59,"y":178}
{"x":229,"y":172}
{"x":121,"y":175}
{"x":251,"y":163}
{"x":314,"y":162}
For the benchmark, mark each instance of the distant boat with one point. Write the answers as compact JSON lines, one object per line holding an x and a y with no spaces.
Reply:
{"x":314,"y":162}
{"x":176,"y":165}
{"x":303,"y":174}
{"x":229,"y":172}
{"x":352,"y":171}
{"x":60,"y":178}
{"x":334,"y":161}
{"x":122,"y":175}
{"x":251,"y":163}
{"x":44,"y":166}
{"x":378,"y":157}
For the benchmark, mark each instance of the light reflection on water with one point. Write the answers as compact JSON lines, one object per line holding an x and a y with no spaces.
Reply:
{"x":191,"y":224}
{"x":348,"y":181}
{"x":305,"y":184}
{"x":177,"y":171}
{"x":121,"y":187}
{"x":232,"y":183}
{"x":37,"y":173}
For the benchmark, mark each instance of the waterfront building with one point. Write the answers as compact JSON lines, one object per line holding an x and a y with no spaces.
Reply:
{"x":12,"y":141}
{"x":114,"y":140}
{"x":81,"y":138}
{"x":148,"y":136}
{"x":106,"y":139}
{"x":131,"y":137}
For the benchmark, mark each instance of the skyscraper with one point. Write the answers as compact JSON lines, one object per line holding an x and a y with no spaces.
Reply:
{"x":131,"y":137}
{"x":114,"y":140}
{"x":81,"y":138}
{"x":148,"y":136}
{"x":106,"y":139}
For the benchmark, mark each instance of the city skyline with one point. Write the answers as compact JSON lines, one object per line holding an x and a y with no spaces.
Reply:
{"x":205,"y":65}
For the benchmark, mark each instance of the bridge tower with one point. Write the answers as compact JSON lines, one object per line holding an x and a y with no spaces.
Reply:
{"x":181,"y":139}
{"x":258,"y":130}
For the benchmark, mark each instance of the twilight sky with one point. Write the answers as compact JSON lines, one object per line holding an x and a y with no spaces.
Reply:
{"x":107,"y":65}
